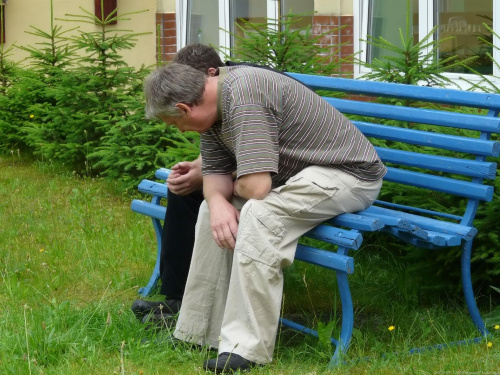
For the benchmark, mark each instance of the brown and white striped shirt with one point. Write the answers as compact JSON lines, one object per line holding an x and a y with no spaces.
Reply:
{"x":271,"y":123}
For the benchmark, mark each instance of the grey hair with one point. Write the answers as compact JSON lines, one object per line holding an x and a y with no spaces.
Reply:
{"x":171,"y":84}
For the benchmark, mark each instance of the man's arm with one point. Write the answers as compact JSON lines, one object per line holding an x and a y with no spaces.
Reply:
{"x":253,"y":186}
{"x":218,"y":190}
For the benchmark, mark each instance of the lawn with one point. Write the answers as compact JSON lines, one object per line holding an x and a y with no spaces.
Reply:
{"x":73,"y":255}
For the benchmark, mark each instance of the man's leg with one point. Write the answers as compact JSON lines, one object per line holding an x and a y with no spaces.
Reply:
{"x":176,"y":250}
{"x":267,"y":238}
{"x":204,"y":301}
{"x":177,"y":242}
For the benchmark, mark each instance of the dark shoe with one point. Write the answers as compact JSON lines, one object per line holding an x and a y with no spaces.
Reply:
{"x":141,"y":308}
{"x":159,"y":321}
{"x":229,"y":363}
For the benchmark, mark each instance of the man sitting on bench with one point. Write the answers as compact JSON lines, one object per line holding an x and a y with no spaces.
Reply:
{"x":298,"y":162}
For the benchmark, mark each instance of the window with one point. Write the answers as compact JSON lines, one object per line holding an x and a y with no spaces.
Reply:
{"x":461,"y":19}
{"x":205,"y":21}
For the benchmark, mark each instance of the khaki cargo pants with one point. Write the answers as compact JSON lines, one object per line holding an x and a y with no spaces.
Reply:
{"x":232,"y":299}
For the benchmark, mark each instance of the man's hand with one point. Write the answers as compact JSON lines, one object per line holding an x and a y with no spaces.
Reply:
{"x":185,"y":177}
{"x":224,"y":218}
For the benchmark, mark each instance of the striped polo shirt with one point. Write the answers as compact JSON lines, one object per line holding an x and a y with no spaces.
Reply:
{"x":269,"y":122}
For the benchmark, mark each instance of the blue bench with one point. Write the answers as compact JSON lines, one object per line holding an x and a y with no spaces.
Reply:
{"x":448,"y":158}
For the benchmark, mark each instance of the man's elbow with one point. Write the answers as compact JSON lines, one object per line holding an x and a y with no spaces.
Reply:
{"x":253,"y":191}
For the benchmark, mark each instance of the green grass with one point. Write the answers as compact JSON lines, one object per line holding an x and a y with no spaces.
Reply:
{"x":72,"y":256}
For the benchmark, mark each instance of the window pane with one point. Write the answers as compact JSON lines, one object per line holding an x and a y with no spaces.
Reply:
{"x":463,"y":20}
{"x":203,"y":22}
{"x":297,"y":7}
{"x":386,"y":19}
{"x":254,"y":11}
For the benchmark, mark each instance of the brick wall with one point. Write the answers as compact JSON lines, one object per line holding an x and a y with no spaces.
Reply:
{"x":166,"y":36}
{"x":338,"y":38}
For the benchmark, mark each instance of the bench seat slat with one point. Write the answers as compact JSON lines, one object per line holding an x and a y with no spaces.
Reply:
{"x":418,"y":115}
{"x":446,"y":227}
{"x":149,"y":209}
{"x":153,"y":188}
{"x":418,"y":137}
{"x":358,"y":222}
{"x":162,"y":173}
{"x":325,"y":258}
{"x":435,"y":238}
{"x":337,"y":236}
{"x":412,"y":92}
{"x":442,"y":184}
{"x":464,"y":167}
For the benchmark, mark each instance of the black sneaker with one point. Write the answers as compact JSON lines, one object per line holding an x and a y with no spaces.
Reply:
{"x":141,"y":308}
{"x":159,"y":321}
{"x":229,"y":363}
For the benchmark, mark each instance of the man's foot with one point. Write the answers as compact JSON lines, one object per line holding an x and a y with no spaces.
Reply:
{"x":142,"y":308}
{"x":159,"y":321}
{"x":229,"y":363}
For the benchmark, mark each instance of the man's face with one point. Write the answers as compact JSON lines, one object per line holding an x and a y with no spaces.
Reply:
{"x":192,"y":118}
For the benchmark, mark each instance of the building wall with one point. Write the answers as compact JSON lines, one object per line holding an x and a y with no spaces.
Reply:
{"x":335,"y":20}
{"x":20,"y":15}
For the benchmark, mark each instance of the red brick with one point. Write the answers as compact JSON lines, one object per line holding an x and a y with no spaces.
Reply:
{"x":169,"y":25}
{"x":329,"y":30}
{"x":170,"y":49}
{"x":347,"y":39}
{"x":169,"y":16}
{"x":321,"y":20}
{"x":326,"y":39}
{"x":346,"y":50}
{"x":348,"y":30}
{"x":347,"y":20}
{"x":159,"y":17}
{"x":316,"y":30}
{"x":169,"y":33}
{"x":170,"y":41}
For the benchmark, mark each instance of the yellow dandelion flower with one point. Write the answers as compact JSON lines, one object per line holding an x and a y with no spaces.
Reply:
{"x":42,"y":250}
{"x":32,"y":116}
{"x":497,"y":326}
{"x":490,"y":344}
{"x":391,"y":328}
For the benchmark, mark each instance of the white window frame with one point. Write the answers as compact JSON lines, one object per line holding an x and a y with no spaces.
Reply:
{"x":224,"y":21}
{"x":426,"y":11}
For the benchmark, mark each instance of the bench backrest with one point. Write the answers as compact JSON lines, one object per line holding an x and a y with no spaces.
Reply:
{"x":442,"y":145}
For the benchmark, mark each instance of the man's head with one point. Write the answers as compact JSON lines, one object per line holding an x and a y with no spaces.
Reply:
{"x":182,"y":96}
{"x":172,"y":84}
{"x":199,"y":56}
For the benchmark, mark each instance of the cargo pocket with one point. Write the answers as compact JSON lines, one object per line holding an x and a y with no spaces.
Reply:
{"x":302,"y":194}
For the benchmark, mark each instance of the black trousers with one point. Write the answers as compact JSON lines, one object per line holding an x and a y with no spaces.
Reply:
{"x":177,"y":242}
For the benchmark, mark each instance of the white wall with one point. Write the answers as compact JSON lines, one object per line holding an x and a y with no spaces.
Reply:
{"x":333,"y":7}
{"x":19,"y":15}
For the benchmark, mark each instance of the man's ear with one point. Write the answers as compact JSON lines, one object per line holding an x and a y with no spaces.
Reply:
{"x":211,"y":71}
{"x":184,"y":108}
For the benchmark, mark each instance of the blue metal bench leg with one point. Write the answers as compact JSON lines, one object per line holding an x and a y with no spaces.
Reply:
{"x":347,"y":316}
{"x":468,"y":290}
{"x":153,"y":280}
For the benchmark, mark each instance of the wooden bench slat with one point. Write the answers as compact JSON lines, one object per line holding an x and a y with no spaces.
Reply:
{"x":162,"y":173}
{"x":149,"y":209}
{"x":153,"y":188}
{"x":447,"y":227}
{"x":418,"y":137}
{"x":392,"y":90}
{"x":418,"y":115}
{"x":442,"y":184}
{"x":337,"y":236}
{"x":464,"y":167}
{"x":325,"y":258}
{"x":358,"y":222}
